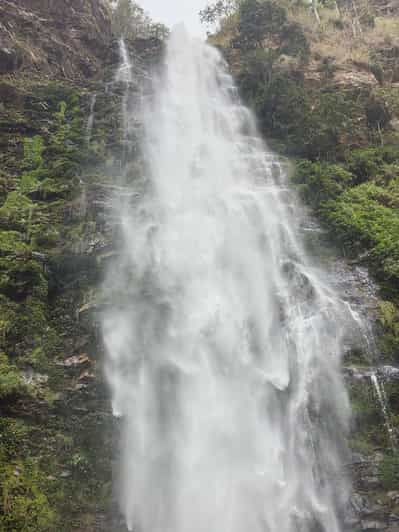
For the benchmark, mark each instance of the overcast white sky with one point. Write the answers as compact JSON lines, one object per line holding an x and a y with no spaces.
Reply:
{"x":171,"y":12}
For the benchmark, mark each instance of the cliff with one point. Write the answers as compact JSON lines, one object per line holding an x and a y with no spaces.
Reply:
{"x":326,"y":95}
{"x":52,"y":39}
{"x":56,"y":428}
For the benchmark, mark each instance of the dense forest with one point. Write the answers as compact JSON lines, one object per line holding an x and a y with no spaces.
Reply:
{"x":323,"y":81}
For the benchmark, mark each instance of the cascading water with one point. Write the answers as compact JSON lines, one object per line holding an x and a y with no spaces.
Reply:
{"x":124,"y":76}
{"x":224,"y":343}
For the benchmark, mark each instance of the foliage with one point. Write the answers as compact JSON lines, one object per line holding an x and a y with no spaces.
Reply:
{"x":388,"y":341}
{"x":362,"y":220}
{"x":311,"y":123}
{"x":389,"y":471}
{"x":33,"y":164}
{"x":24,"y":503}
{"x":260,"y":21}
{"x":33,"y":153}
{"x":131,"y":21}
{"x":257,"y":20}
{"x":364,"y":163}
{"x":389,"y":316}
{"x":215,"y":11}
{"x":11,"y":382}
{"x":367,"y":420}
{"x":321,"y":181}
{"x":16,"y":212}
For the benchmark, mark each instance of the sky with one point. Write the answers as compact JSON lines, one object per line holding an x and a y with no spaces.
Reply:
{"x":171,"y":12}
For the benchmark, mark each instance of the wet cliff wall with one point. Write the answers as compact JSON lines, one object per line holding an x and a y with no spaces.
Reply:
{"x":57,"y":68}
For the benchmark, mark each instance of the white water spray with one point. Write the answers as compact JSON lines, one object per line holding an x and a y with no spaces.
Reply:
{"x":223,"y":342}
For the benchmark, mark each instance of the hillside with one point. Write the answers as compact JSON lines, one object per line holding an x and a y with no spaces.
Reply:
{"x":326,"y":96}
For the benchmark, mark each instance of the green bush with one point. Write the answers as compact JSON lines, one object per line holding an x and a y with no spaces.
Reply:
{"x":257,"y":20}
{"x":321,"y":181}
{"x":16,"y":212}
{"x":33,"y":153}
{"x":389,"y":472}
{"x":365,"y":163}
{"x":388,"y":341}
{"x":33,"y":164}
{"x":25,"y":505}
{"x":360,"y":220}
{"x":11,"y":382}
{"x":311,"y":123}
{"x":367,"y":420}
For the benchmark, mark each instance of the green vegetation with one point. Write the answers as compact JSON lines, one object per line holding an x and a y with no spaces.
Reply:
{"x":131,"y":21}
{"x":320,"y":181}
{"x":36,"y":225}
{"x":11,"y":382}
{"x":369,"y":430}
{"x":358,"y":200}
{"x":389,"y":472}
{"x":25,"y":506}
{"x":388,"y":343}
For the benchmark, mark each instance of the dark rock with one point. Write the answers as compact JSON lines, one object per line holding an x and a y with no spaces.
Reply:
{"x":76,"y":361}
{"x":9,"y":60}
{"x":373,"y":526}
{"x":69,"y":39}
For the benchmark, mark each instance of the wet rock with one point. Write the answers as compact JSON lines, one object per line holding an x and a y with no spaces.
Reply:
{"x":358,"y":373}
{"x":373,"y":525}
{"x":9,"y":60}
{"x":32,"y":378}
{"x":76,"y":361}
{"x":358,"y":503}
{"x":86,"y":378}
{"x":393,"y":495}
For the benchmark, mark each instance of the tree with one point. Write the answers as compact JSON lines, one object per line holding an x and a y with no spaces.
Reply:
{"x":132,"y":22}
{"x":257,"y":20}
{"x":214,"y":12}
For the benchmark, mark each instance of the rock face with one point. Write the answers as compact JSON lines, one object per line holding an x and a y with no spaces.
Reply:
{"x":67,"y":39}
{"x":56,"y":444}
{"x":57,"y":433}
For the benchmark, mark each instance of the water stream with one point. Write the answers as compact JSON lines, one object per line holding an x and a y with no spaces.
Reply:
{"x":224,"y":341}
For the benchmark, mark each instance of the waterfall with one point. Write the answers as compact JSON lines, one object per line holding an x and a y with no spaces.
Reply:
{"x":223,"y":339}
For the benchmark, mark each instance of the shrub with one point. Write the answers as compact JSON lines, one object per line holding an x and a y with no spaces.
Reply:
{"x":11,"y":382}
{"x":321,"y":181}
{"x":33,"y":153}
{"x":257,"y":20}
{"x":389,"y":472}
{"x":24,"y":502}
{"x":364,"y":163}
{"x":388,"y":342}
{"x":360,"y":220}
